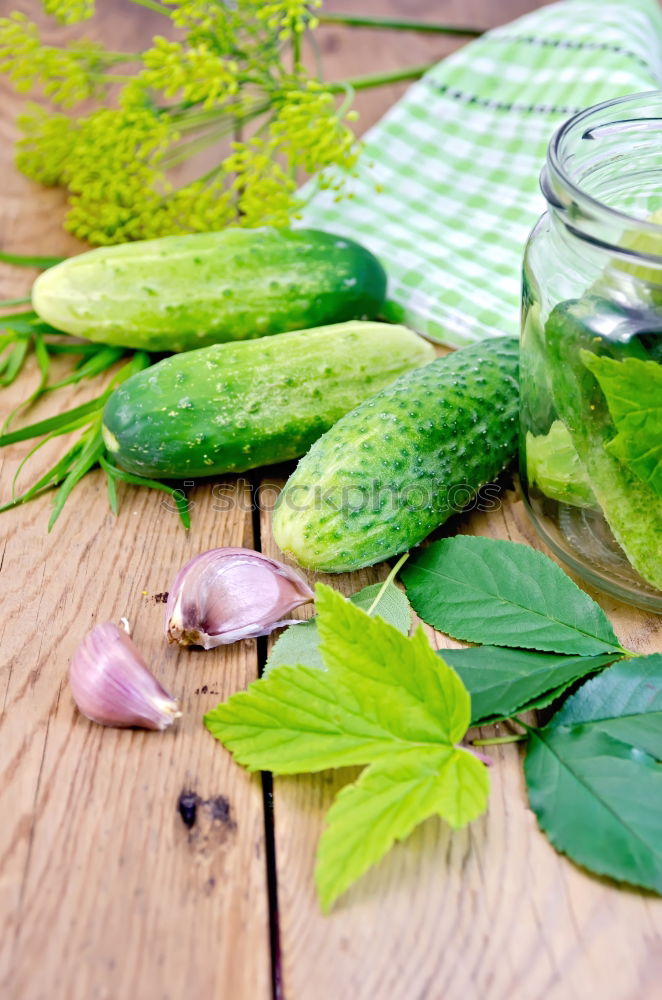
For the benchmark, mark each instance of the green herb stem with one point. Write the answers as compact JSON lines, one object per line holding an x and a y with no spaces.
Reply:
{"x":153,"y":5}
{"x":29,"y":260}
{"x":15,"y":302}
{"x":381,"y":79}
{"x":399,"y":24}
{"x":389,"y":580}
{"x":496,"y":741}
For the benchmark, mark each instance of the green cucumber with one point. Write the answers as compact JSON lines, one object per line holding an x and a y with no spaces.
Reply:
{"x":232,"y":407}
{"x":402,"y":462}
{"x":632,"y":509}
{"x":182,"y":292}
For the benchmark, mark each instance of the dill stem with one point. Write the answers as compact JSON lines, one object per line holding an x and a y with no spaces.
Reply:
{"x":398,"y":24}
{"x":381,"y":79}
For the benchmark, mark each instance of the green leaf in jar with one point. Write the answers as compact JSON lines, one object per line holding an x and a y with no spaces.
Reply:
{"x":633,"y":391}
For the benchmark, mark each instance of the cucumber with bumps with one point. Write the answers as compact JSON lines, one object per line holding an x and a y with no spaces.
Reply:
{"x":402,"y":462}
{"x":179,"y":293}
{"x":232,"y":407}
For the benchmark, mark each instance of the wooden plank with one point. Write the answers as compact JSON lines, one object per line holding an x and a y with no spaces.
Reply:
{"x":104,"y":889}
{"x":492,"y":910}
{"x":489,"y":911}
{"x":102,"y":878}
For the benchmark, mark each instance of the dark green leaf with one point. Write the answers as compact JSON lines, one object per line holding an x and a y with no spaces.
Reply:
{"x":300,"y":643}
{"x":502,"y":593}
{"x":30,"y":260}
{"x":594,"y":777}
{"x":599,"y":801}
{"x":504,"y":681}
{"x":625,"y":702}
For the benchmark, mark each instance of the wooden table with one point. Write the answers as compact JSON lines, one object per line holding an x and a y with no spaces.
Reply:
{"x":106,"y":891}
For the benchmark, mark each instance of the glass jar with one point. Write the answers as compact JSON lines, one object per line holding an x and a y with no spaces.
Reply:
{"x":591,"y":350}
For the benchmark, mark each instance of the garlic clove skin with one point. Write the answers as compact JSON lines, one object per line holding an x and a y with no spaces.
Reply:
{"x":227,"y":594}
{"x":112,"y":685}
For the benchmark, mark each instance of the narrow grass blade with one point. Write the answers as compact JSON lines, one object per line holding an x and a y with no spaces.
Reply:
{"x":30,"y":260}
{"x":23,"y":301}
{"x":89,"y":456}
{"x":59,"y":422}
{"x":179,"y":499}
{"x":53,"y":477}
{"x":16,"y":360}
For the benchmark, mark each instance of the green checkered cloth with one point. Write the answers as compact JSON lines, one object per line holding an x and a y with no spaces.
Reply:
{"x":447,"y":185}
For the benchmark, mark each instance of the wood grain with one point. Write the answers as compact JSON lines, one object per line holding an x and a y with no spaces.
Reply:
{"x":104,"y":891}
{"x":491,"y":911}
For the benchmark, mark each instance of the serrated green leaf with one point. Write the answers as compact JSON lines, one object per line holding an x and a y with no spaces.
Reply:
{"x":421,"y":693}
{"x":594,"y":777}
{"x":599,"y":801}
{"x":383,"y":700}
{"x":389,"y":799}
{"x":505,"y":594}
{"x":633,"y":390}
{"x":503,"y":681}
{"x":625,"y":702}
{"x":300,"y":643}
{"x":380,"y":691}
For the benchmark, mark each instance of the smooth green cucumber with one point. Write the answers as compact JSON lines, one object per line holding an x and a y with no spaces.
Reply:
{"x":402,"y":462}
{"x":182,"y":292}
{"x":233,"y":407}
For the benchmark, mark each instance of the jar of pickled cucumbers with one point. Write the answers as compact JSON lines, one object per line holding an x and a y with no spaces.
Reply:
{"x":591,"y":350}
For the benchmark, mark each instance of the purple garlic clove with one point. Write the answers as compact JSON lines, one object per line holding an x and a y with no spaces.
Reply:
{"x":111,"y":683}
{"x":228,"y":594}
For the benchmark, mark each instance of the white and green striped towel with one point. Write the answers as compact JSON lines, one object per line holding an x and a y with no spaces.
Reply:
{"x":447,"y":185}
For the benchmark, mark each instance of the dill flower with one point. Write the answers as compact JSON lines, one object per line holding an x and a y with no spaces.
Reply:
{"x":69,"y":11}
{"x":236,"y":68}
{"x":289,"y":17}
{"x":114,"y":174}
{"x":198,"y":73}
{"x":47,"y":142}
{"x":66,"y":76}
{"x":199,"y":207}
{"x":308,"y":130}
{"x":265,"y":191}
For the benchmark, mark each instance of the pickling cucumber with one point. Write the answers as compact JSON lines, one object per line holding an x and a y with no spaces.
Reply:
{"x":182,"y":292}
{"x":402,"y":462}
{"x":232,"y":407}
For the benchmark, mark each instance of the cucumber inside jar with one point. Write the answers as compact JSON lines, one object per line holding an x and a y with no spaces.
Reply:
{"x":593,"y":463}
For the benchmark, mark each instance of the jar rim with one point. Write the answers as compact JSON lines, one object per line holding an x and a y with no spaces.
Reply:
{"x":562,"y":190}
